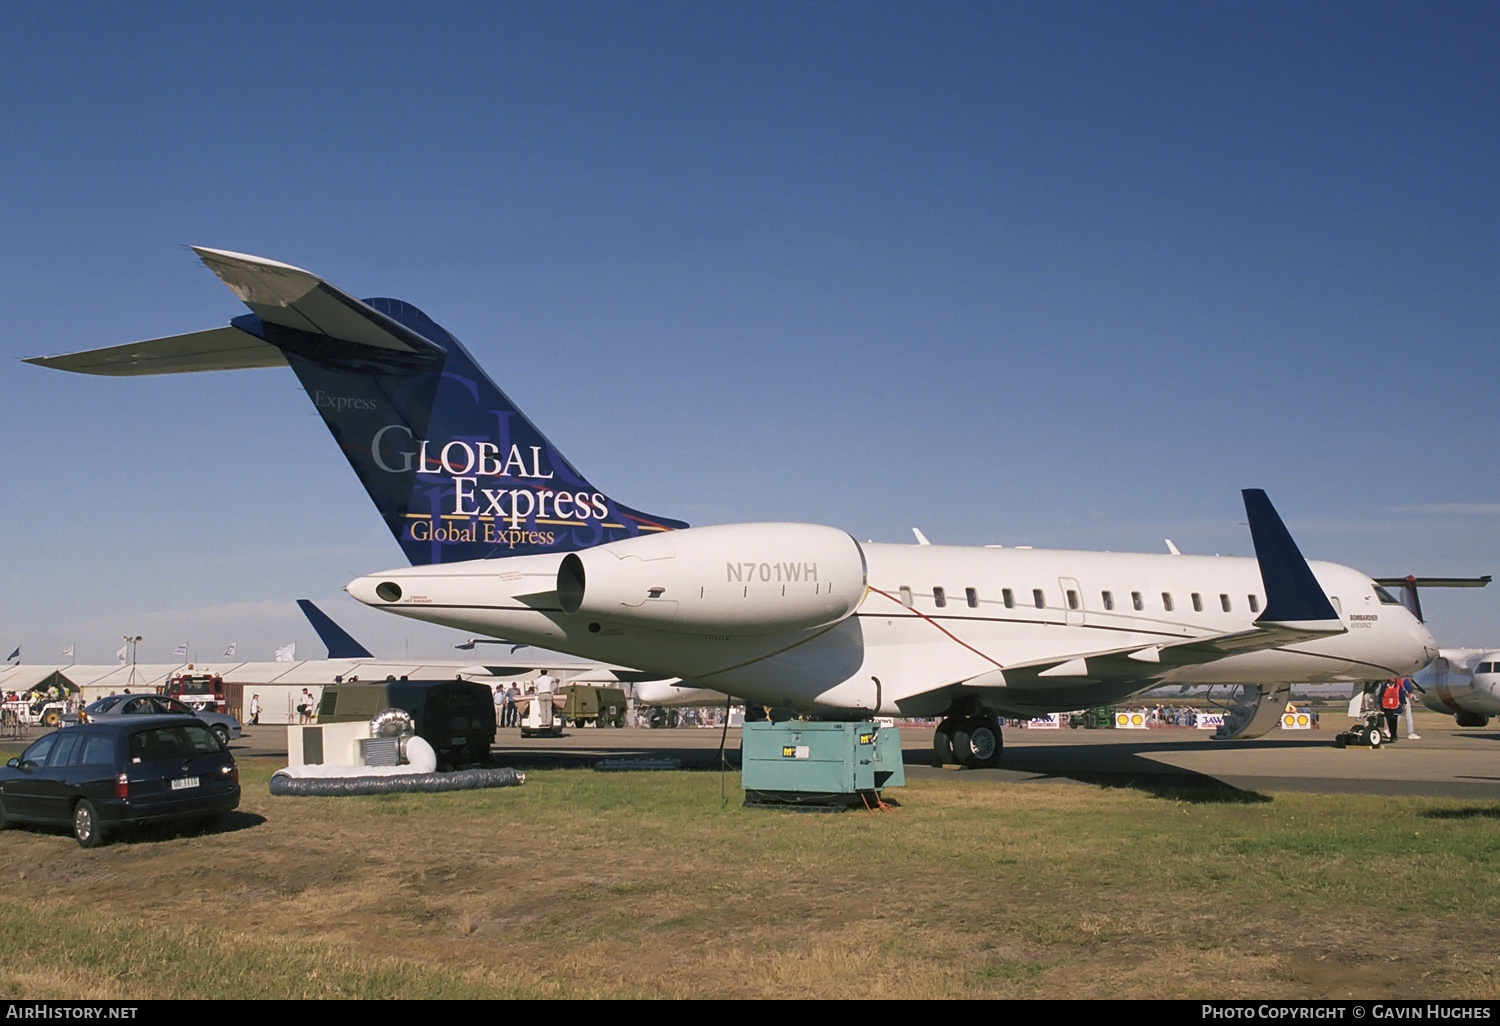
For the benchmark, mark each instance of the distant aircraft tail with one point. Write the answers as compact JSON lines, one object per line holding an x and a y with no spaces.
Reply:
{"x":340,"y":643}
{"x":457,"y":471}
{"x":1408,"y":585}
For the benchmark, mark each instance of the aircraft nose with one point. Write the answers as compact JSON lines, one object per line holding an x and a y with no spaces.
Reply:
{"x":1428,"y":642}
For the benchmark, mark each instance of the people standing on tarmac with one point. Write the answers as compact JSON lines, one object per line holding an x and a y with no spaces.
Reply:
{"x":255,"y":710}
{"x":1409,"y":688}
{"x":512,"y":709}
{"x":1390,"y":705}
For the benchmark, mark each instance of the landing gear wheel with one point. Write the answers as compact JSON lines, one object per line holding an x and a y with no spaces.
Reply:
{"x":942,"y":743}
{"x":86,"y":825}
{"x":977,"y":744}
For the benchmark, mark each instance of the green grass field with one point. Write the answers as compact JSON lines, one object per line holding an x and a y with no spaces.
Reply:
{"x":597,"y":885}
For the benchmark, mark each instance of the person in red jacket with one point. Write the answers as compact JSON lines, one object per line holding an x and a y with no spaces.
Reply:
{"x":1390,"y":704}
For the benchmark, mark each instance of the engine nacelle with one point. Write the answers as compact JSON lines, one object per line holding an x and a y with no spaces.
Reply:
{"x":734,"y":579}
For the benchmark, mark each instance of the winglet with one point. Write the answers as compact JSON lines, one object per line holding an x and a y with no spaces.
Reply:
{"x":1293,"y":594}
{"x":340,"y":644}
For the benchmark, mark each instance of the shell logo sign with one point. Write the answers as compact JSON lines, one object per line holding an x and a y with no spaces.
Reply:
{"x":1130,"y":721}
{"x":1296,"y":721}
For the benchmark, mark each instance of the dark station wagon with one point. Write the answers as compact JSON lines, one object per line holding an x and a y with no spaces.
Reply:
{"x":100,"y":777}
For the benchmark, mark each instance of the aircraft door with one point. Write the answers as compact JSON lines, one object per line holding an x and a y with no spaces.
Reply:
{"x":1072,"y":596}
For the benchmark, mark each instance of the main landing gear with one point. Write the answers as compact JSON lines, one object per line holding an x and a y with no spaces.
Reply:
{"x":970,"y":741}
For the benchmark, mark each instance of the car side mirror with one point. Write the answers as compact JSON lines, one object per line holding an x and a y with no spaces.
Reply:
{"x":14,"y":764}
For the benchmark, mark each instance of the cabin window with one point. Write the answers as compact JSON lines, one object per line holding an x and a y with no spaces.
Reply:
{"x":1197,"y":602}
{"x":972,"y":597}
{"x":1039,"y":598}
{"x":1008,"y":597}
{"x":1072,"y":599}
{"x":939,"y":597}
{"x":1109,"y":599}
{"x":1254,"y":603}
{"x":1166,"y":601}
{"x":906,"y":596}
{"x":1136,"y":601}
{"x":1224,"y":602}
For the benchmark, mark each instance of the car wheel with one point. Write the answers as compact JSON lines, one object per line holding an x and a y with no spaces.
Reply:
{"x":87,"y":826}
{"x":51,"y":718}
{"x":222,"y":733}
{"x":4,"y":819}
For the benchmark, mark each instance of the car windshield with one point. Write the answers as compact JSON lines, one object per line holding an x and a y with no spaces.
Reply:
{"x":174,"y":742}
{"x":37,"y":753}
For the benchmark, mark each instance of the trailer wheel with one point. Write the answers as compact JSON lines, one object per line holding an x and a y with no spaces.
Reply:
{"x":51,"y":718}
{"x":1373,"y":738}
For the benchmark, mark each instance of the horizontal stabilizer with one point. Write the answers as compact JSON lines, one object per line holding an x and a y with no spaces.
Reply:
{"x":293,"y":298}
{"x":226,"y":348}
{"x":1435,"y":582}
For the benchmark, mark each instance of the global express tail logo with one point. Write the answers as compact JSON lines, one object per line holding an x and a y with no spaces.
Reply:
{"x":464,"y":510}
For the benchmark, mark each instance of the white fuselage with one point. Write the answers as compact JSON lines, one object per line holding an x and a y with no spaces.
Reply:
{"x":901,"y":652}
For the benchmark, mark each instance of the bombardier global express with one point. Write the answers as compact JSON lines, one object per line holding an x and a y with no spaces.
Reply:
{"x":505,"y":538}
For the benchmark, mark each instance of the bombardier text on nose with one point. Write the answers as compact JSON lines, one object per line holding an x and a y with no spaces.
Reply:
{"x":505,"y":538}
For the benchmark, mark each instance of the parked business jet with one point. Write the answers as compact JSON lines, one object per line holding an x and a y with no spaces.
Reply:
{"x":507,"y":539}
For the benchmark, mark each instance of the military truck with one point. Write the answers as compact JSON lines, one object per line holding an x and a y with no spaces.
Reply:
{"x":456,"y":717}
{"x":586,"y":703}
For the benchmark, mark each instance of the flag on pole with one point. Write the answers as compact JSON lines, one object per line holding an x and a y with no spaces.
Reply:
{"x":68,"y":651}
{"x":120,"y":655}
{"x":230,"y":650}
{"x":14,"y":657}
{"x":287,"y":653}
{"x":180,"y":650}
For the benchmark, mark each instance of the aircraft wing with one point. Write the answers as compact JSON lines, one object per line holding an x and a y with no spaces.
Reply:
{"x":1153,"y":661}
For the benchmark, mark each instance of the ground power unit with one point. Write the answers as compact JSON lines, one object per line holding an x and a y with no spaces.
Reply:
{"x":825,"y":766}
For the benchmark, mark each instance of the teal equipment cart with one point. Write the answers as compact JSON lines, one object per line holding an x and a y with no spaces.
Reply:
{"x":824,"y":766}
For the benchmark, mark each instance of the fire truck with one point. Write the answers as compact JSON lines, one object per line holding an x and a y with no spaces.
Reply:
{"x":203,"y":691}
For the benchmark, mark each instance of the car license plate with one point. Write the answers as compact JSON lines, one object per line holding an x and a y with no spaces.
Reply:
{"x":183,"y":783}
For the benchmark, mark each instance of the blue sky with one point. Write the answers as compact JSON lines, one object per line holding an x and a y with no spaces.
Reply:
{"x":1054,"y":274}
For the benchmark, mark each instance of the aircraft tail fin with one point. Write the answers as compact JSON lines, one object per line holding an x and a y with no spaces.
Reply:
{"x":341,"y":645}
{"x":457,"y":471}
{"x":1293,"y":595}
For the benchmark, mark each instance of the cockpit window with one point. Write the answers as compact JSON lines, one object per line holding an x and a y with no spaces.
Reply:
{"x":1385,"y":597}
{"x":1484,"y":668}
